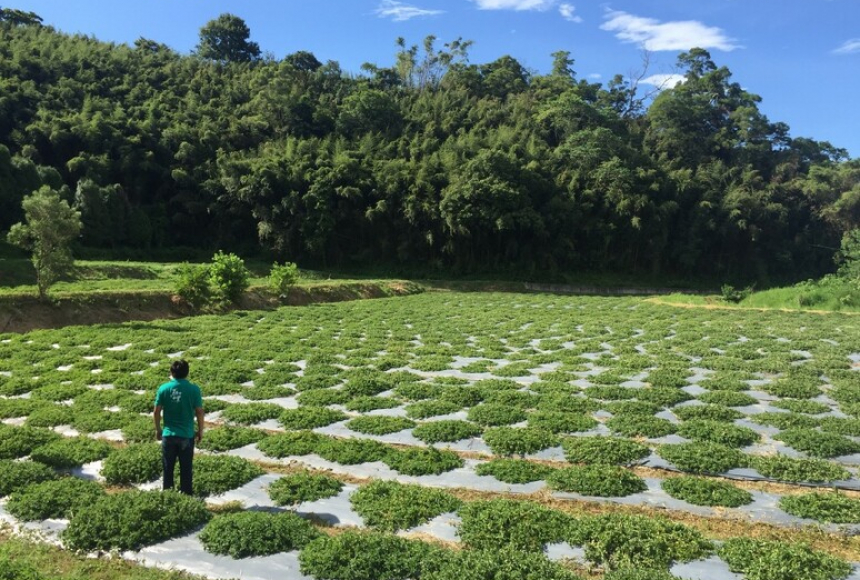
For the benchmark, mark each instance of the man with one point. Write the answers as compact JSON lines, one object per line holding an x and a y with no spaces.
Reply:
{"x":180,"y":401}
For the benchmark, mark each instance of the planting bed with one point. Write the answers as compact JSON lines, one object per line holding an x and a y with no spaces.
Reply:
{"x":523,"y":427}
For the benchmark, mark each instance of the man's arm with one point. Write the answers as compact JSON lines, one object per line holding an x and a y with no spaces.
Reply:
{"x":156,"y":416}
{"x":200,"y":423}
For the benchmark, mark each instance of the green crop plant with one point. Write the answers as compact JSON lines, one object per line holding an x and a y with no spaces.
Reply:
{"x":72,"y":452}
{"x":351,"y":451}
{"x":309,"y":417}
{"x":706,"y":492}
{"x":295,"y":488}
{"x":252,"y":533}
{"x":618,"y":541}
{"x":561,"y":421}
{"x":431,"y":408}
{"x":703,"y":457}
{"x":390,"y":506}
{"x":133,"y":519}
{"x":293,"y":443}
{"x":707,"y":412}
{"x":229,"y":437}
{"x":596,"y":480}
{"x":505,"y":523}
{"x":718,"y":432}
{"x":379,"y":424}
{"x":790,"y":469}
{"x":56,"y":498}
{"x":817,"y":443}
{"x":514,"y":470}
{"x":509,"y":441}
{"x":604,"y":450}
{"x":829,"y":507}
{"x":18,"y":442}
{"x":446,"y":430}
{"x":17,"y":475}
{"x":415,"y":461}
{"x":774,"y":560}
{"x":494,"y":415}
{"x":137,"y":463}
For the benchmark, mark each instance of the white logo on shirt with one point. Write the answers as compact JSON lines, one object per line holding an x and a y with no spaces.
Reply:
{"x":176,"y":395}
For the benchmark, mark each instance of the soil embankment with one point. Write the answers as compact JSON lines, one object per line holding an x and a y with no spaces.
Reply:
{"x":22,"y":314}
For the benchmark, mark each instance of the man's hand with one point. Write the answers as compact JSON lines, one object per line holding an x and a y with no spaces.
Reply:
{"x":199,"y":437}
{"x":158,"y":435}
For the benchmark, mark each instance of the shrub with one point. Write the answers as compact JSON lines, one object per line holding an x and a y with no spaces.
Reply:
{"x":367,"y":556}
{"x":663,"y":396}
{"x":265,"y":392}
{"x":825,"y":507}
{"x":412,"y":391}
{"x":250,"y":533}
{"x":734,"y":295}
{"x":379,"y":424}
{"x":214,"y":474}
{"x":514,"y":470}
{"x":770,"y":560}
{"x":390,"y":506}
{"x":71,"y":452}
{"x":282,"y":277}
{"x":703,"y":457}
{"x":251,"y":413}
{"x":462,"y":396}
{"x":133,"y":519}
{"x":706,"y":492}
{"x":793,"y":389}
{"x":296,"y":488}
{"x":139,"y":430}
{"x":192,"y":284}
{"x":619,"y":541}
{"x":137,"y":463}
{"x":430,"y":408}
{"x":603,"y":450}
{"x":498,"y":564}
{"x":518,"y":441}
{"x":228,"y":276}
{"x":229,"y":437}
{"x":351,"y":451}
{"x":494,"y":414}
{"x":16,"y":475}
{"x":596,"y":480}
{"x":505,"y":523}
{"x":17,"y":442}
{"x":841,"y":425}
{"x":56,"y":498}
{"x":561,"y":421}
{"x":641,"y":426}
{"x":718,"y":432}
{"x":310,"y":417}
{"x":817,"y":443}
{"x":295,"y":443}
{"x":632,"y":408}
{"x":446,"y":431}
{"x":784,"y":468}
{"x":415,"y":461}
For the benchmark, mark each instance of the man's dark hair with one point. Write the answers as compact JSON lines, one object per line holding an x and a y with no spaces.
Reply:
{"x":179,"y":369}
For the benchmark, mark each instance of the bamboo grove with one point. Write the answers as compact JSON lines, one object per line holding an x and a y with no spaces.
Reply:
{"x":429,"y":161}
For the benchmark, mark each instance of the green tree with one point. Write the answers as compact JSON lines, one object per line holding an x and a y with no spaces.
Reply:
{"x":225,"y":39}
{"x":50,"y":226}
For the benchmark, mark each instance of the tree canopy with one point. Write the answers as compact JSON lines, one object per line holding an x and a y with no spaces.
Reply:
{"x":427,"y":160}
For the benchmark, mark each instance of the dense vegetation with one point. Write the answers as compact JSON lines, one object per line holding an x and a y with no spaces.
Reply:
{"x":431,"y":160}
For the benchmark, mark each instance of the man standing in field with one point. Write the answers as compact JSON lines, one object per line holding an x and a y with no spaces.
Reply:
{"x":180,"y":401}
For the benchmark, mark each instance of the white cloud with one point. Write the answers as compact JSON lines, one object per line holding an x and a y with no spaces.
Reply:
{"x":651,"y":34}
{"x":398,"y":11}
{"x":515,"y":4}
{"x":595,"y":76}
{"x":663,"y":81}
{"x":849,"y":47}
{"x":567,"y":12}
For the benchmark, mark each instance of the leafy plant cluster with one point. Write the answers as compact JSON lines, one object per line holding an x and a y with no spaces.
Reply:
{"x":256,"y":533}
{"x":706,"y":492}
{"x":773,"y":560}
{"x":390,"y":506}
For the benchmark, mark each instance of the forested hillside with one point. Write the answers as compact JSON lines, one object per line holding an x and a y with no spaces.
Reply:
{"x":428,"y":160}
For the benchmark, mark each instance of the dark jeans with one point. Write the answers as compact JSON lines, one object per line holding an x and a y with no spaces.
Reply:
{"x":181,"y":448}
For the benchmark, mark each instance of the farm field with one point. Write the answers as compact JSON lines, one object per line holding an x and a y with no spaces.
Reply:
{"x":445,"y":434}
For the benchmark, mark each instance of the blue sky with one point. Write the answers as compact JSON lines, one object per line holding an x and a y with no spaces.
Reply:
{"x":801,"y":56}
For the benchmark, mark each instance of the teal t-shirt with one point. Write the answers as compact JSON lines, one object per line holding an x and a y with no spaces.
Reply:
{"x":178,"y":399}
